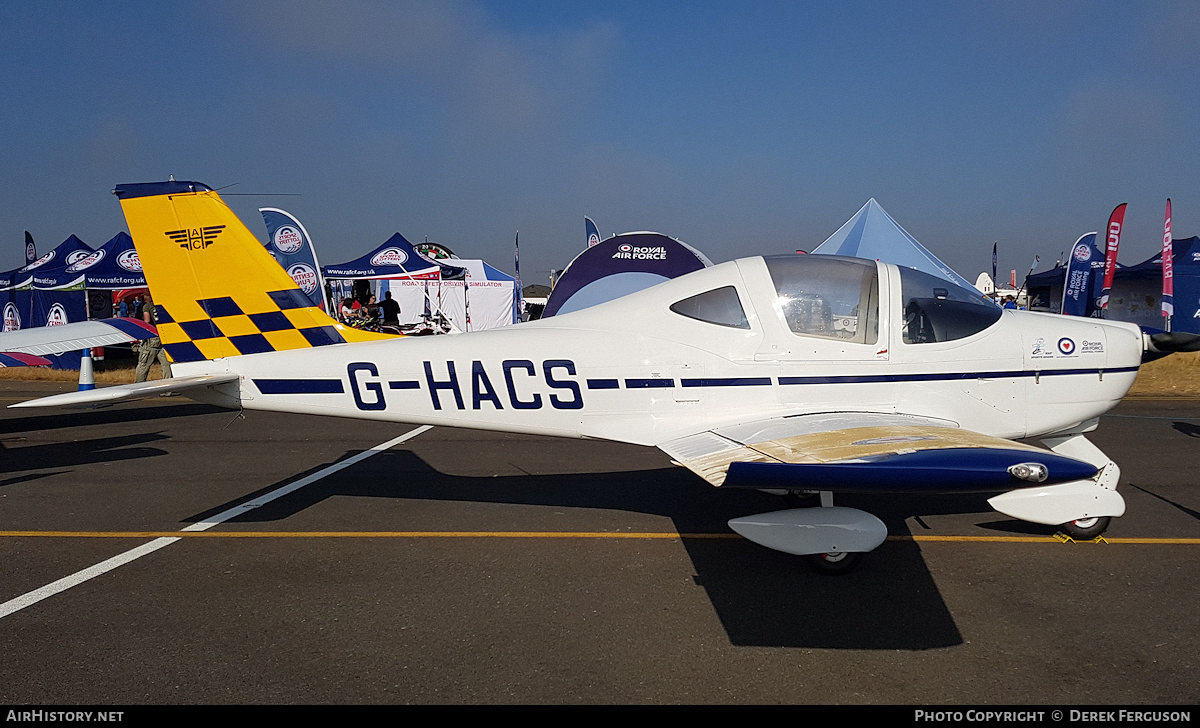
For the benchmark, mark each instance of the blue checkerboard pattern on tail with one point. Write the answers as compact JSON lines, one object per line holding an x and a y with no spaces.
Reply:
{"x":276,"y":321}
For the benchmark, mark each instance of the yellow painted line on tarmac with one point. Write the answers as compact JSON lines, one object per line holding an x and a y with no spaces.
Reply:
{"x":1042,"y":539}
{"x":542,"y":534}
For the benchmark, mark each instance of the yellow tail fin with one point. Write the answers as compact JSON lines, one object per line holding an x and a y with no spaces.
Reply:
{"x":217,"y":290}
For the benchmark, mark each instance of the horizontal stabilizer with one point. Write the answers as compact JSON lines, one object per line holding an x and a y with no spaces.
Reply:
{"x":43,"y":340}
{"x":190,"y":386}
{"x":14,"y":359}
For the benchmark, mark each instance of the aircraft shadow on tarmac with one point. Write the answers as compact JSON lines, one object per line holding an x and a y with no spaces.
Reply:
{"x":80,"y":452}
{"x":56,"y":421}
{"x":763,"y":597}
{"x":1187,"y":428}
{"x":1178,"y":506}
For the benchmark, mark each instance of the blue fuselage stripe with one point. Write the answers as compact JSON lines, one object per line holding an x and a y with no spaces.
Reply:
{"x":946,"y":376}
{"x":648,"y":383}
{"x":727,"y":382}
{"x":335,"y":386}
{"x":299,"y":386}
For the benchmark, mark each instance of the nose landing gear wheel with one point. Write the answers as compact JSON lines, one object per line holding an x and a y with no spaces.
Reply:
{"x":834,"y":564}
{"x":1086,"y":528}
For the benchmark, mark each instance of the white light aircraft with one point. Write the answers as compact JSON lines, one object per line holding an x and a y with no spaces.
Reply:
{"x":799,"y":373}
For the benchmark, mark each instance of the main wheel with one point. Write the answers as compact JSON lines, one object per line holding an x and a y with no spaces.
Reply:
{"x":1086,"y":528}
{"x":842,"y":562}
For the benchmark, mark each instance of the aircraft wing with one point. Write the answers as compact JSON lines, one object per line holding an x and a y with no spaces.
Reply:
{"x":868,"y":452}
{"x":205,"y":388}
{"x":43,"y":340}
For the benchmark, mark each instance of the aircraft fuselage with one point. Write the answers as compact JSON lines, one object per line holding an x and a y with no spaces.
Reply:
{"x":634,"y":370}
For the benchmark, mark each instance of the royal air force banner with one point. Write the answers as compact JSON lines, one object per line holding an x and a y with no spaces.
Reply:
{"x":288,"y":242}
{"x":1083,"y":265}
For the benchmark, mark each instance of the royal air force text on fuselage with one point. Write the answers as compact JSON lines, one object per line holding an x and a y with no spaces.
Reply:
{"x":519,"y":384}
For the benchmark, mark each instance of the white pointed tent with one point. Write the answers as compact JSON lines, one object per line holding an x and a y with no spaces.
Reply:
{"x":873,"y":234}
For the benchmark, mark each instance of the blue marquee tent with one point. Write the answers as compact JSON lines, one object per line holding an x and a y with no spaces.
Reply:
{"x":396,"y":258}
{"x":68,"y":251}
{"x":1137,"y":290}
{"x":26,"y":307}
{"x":113,"y":266}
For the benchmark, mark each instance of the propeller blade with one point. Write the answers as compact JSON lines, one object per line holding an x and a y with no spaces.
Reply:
{"x":1175,"y":341}
{"x":1162,"y":343}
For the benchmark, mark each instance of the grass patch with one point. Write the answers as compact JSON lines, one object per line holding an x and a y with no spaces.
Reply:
{"x":116,"y":375}
{"x":1178,"y":374}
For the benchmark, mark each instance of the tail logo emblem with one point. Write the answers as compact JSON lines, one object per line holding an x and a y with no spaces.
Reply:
{"x":195,"y":238}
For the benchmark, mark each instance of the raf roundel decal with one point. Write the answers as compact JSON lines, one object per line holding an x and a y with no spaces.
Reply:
{"x":86,"y":261}
{"x":130,"y":261}
{"x":77,"y":256}
{"x":1066,"y":346}
{"x":288,"y":240}
{"x":57,"y":315}
{"x":390,"y":256}
{"x":12,"y":319}
{"x":41,"y":261}
{"x":304,"y":276}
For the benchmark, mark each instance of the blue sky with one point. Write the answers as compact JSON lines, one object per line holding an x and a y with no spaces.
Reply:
{"x":739,"y":128}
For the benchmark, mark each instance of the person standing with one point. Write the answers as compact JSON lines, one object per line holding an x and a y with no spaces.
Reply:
{"x":151,"y":349}
{"x":391,"y":310}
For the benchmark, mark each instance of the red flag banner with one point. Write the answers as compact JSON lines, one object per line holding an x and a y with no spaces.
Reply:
{"x":1112,"y":243}
{"x":1168,"y":291}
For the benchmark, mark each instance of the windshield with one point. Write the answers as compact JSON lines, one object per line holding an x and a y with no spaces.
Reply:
{"x":827,"y":296}
{"x":937,"y":310}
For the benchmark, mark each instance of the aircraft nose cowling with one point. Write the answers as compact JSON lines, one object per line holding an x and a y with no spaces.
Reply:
{"x":954,"y":470}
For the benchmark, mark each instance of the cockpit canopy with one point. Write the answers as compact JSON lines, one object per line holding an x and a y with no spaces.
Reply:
{"x":938,"y":310}
{"x":834,"y":297}
{"x":827,"y":296}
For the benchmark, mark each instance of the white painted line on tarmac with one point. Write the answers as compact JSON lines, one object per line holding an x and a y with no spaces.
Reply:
{"x":293,"y":487}
{"x":37,"y":595}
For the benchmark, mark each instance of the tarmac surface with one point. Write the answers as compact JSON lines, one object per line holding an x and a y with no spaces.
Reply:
{"x":462,"y":567}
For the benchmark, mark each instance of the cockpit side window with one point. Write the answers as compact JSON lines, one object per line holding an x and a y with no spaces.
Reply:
{"x":827,"y":296}
{"x":719,"y":306}
{"x":937,"y":310}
